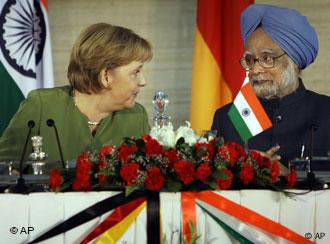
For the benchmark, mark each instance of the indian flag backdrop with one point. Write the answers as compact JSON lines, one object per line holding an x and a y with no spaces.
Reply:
{"x":25,"y":53}
{"x":217,"y":75}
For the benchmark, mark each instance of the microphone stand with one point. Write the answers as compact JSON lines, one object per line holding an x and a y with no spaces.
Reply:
{"x":20,"y":186}
{"x":51,"y":123}
{"x":311,"y":181}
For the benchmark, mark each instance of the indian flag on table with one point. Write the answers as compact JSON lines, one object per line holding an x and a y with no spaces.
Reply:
{"x":247,"y":114}
{"x":25,"y":53}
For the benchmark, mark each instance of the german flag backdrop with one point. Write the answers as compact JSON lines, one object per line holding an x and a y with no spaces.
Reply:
{"x":217,"y":75}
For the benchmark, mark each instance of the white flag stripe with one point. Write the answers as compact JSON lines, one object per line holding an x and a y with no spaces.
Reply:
{"x":45,"y":77}
{"x":251,"y":120}
{"x":246,"y":80}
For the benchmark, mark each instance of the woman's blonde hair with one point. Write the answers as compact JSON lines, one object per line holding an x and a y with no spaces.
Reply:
{"x":102,"y":46}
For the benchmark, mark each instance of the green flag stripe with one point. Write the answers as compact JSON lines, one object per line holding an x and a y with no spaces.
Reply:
{"x":10,"y":98}
{"x":227,"y":228}
{"x":239,"y":123}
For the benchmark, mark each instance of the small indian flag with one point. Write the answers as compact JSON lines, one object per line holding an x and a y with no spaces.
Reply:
{"x":247,"y":114}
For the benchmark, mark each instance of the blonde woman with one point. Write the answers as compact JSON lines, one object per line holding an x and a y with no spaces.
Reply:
{"x":105,"y":76}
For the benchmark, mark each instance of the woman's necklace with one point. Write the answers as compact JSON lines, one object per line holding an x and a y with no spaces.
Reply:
{"x":93,"y":123}
{"x":89,"y":122}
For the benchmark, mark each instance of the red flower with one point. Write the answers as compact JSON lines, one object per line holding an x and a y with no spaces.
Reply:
{"x":274,"y":171}
{"x":106,"y":150}
{"x":257,"y":157}
{"x":125,"y":151}
{"x":83,"y":168}
{"x":260,"y":160}
{"x":101,"y":177}
{"x":55,"y":179}
{"x":129,"y":172}
{"x":146,"y":138}
{"x":246,"y":174}
{"x":224,"y":184}
{"x":185,"y":171}
{"x":208,"y":152}
{"x":203,"y":172}
{"x":231,"y":152}
{"x":155,"y":179}
{"x":172,"y":156}
{"x":291,"y":179}
{"x":153,"y":148}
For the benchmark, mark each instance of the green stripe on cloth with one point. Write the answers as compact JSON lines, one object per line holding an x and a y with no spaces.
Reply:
{"x":237,"y":236}
{"x":239,"y":123}
{"x":10,"y":98}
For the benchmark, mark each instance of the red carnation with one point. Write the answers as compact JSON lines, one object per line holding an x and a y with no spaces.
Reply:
{"x":274,"y":171}
{"x":55,"y":179}
{"x":146,"y":137}
{"x":129,"y":172}
{"x":224,"y":184}
{"x":172,"y":156}
{"x":257,"y":157}
{"x":153,"y":148}
{"x":209,"y":150}
{"x":155,"y":179}
{"x":83,"y":168}
{"x":224,"y":153}
{"x":185,"y":171}
{"x":246,"y":174}
{"x":101,"y":177}
{"x":260,"y":160}
{"x":231,"y":152}
{"x":106,"y":150}
{"x":203,"y":172}
{"x":291,"y":179}
{"x":125,"y":151}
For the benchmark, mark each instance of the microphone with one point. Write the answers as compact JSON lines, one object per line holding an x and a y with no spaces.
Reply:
{"x":51,"y":123}
{"x":20,"y":186}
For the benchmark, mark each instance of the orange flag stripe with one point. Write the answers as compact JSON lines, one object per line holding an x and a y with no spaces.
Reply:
{"x":256,"y":106}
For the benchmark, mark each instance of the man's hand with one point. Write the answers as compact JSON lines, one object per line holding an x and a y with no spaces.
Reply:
{"x":271,"y":154}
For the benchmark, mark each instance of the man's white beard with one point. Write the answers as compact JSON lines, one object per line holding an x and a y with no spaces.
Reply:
{"x":273,"y":89}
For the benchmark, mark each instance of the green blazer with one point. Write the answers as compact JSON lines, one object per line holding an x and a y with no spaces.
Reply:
{"x":75,"y":136}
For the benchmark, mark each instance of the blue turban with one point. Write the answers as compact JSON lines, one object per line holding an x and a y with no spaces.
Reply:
{"x":287,"y":27}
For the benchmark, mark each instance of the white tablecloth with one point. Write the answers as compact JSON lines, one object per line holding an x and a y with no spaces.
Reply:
{"x":303,"y":214}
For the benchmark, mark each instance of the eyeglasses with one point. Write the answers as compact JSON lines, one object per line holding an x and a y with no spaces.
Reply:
{"x":266,"y":61}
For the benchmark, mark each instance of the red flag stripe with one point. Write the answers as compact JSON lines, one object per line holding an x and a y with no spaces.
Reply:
{"x":219,"y":24}
{"x":115,"y":217}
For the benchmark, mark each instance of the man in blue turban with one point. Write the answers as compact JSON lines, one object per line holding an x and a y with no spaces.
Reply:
{"x":279,"y":43}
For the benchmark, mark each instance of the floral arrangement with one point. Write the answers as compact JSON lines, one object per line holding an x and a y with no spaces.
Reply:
{"x":172,"y":161}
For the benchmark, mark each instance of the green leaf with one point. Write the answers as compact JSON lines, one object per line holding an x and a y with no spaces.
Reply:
{"x":193,"y":233}
{"x":130,"y":189}
{"x":220,"y":174}
{"x":173,"y":186}
{"x":179,"y":142}
{"x":213,"y":185}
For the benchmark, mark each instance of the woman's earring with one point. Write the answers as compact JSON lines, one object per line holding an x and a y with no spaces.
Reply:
{"x":108,"y":82}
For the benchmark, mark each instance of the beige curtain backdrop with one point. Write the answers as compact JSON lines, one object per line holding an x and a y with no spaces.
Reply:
{"x":170,"y":26}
